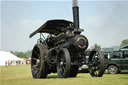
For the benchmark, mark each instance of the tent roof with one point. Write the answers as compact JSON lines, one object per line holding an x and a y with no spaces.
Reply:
{"x":5,"y":56}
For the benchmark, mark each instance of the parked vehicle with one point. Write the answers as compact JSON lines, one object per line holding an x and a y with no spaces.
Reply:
{"x":116,"y":61}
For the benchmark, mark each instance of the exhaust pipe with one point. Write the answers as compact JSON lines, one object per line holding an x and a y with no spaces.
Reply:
{"x":75,"y":14}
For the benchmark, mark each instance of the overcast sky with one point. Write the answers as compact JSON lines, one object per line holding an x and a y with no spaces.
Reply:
{"x":104,"y":22}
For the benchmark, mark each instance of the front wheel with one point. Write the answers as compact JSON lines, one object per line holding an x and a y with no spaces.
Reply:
{"x":63,"y":63}
{"x":96,"y":63}
{"x":39,"y":66}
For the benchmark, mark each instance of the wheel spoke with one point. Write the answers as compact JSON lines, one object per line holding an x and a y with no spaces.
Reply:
{"x":97,"y":53}
{"x":96,"y":71}
{"x":35,"y":69}
{"x":36,"y":53}
{"x":63,"y":69}
{"x":62,"y":59}
{"x":35,"y":59}
{"x":62,"y":64}
{"x":35,"y":66}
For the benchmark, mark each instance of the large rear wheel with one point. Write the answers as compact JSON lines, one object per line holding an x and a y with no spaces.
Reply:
{"x":96,"y":63}
{"x":39,"y":66}
{"x":63,"y":63}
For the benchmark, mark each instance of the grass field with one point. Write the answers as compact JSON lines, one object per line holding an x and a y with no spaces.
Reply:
{"x":21,"y":75}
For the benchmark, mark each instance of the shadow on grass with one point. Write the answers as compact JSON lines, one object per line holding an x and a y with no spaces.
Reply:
{"x":56,"y":77}
{"x":124,"y":78}
{"x":124,"y":73}
{"x":117,"y":73}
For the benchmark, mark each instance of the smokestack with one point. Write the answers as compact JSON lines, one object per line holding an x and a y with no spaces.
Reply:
{"x":75,"y":14}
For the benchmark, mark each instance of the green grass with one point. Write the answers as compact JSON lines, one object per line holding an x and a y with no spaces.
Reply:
{"x":21,"y":75}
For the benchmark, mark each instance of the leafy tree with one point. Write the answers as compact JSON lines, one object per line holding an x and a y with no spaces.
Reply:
{"x":97,"y":46}
{"x":26,"y":54}
{"x":124,"y":43}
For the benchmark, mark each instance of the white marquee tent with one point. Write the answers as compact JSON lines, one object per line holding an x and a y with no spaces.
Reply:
{"x":7,"y":56}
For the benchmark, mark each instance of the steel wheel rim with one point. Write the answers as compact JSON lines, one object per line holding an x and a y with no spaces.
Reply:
{"x":113,"y":69}
{"x":35,"y":64}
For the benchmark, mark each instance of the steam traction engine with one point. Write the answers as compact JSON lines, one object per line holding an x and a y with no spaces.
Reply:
{"x":64,"y":50}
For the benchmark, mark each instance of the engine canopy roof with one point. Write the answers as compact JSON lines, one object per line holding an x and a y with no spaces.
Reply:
{"x":53,"y":27}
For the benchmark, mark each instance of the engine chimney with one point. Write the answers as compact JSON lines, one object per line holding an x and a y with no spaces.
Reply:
{"x":75,"y":14}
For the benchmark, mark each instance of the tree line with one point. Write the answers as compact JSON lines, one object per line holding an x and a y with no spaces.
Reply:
{"x":26,"y":54}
